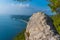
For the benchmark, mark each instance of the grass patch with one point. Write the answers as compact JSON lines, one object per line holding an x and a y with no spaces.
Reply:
{"x":20,"y":36}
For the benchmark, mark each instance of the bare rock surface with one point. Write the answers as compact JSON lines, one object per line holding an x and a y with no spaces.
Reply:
{"x":40,"y":27}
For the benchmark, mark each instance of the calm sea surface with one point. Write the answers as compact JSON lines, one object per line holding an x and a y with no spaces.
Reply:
{"x":9,"y":28}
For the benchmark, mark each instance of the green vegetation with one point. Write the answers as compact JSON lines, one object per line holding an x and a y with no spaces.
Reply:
{"x":56,"y":22}
{"x":54,"y":5}
{"x":20,"y":36}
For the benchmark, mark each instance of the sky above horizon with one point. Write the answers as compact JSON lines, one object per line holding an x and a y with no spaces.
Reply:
{"x":25,"y":8}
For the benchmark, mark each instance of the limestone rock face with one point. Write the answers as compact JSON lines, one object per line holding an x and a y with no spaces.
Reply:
{"x":40,"y":27}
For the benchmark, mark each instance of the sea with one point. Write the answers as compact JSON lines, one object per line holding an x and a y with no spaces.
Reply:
{"x":10,"y":26}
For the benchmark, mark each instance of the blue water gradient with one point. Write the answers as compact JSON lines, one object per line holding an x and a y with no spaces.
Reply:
{"x":10,"y":28}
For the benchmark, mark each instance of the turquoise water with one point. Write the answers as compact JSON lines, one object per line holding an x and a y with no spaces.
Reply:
{"x":9,"y":28}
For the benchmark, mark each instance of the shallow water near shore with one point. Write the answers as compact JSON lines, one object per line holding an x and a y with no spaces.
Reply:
{"x":9,"y":28}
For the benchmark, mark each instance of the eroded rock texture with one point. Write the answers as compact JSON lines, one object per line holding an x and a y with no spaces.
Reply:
{"x":40,"y":27}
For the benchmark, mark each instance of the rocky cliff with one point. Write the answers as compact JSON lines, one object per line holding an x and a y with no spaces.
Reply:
{"x":40,"y":27}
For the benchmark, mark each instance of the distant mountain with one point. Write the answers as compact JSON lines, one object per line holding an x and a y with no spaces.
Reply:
{"x":24,"y":18}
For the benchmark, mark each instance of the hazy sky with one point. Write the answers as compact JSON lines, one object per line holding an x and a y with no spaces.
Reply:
{"x":26,"y":8}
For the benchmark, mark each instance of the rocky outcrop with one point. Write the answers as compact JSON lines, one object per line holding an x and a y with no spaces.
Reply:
{"x":40,"y":27}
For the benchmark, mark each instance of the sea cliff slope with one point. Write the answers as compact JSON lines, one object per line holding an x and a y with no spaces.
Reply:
{"x":40,"y":27}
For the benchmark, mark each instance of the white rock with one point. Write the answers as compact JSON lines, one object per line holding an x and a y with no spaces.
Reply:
{"x":40,"y":27}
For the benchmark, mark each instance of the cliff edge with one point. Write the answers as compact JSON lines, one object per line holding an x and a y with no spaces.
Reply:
{"x":40,"y":27}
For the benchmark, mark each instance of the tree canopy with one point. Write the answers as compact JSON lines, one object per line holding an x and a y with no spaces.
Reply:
{"x":54,"y":5}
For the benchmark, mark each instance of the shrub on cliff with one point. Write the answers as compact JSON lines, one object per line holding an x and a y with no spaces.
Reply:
{"x":20,"y":36}
{"x":56,"y":22}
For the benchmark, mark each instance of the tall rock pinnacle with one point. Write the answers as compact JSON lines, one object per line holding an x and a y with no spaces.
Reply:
{"x":40,"y":27}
